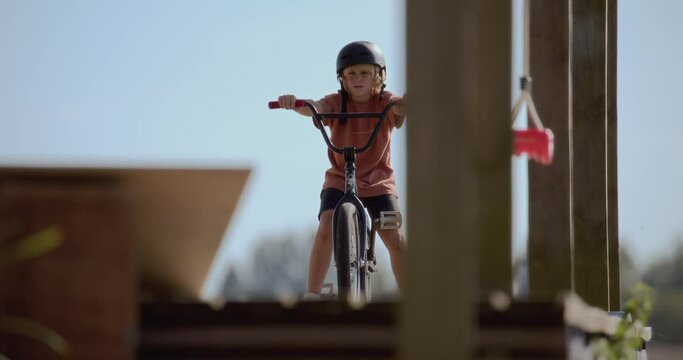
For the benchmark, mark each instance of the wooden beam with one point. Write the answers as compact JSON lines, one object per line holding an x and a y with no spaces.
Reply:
{"x":491,"y":159}
{"x":549,"y":246}
{"x":459,"y":170}
{"x":612,"y":183}
{"x":331,"y":331}
{"x":589,"y":166}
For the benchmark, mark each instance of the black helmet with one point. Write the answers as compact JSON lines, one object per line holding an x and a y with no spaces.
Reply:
{"x":359,"y":52}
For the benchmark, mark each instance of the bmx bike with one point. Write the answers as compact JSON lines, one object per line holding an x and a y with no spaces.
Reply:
{"x":353,"y":232}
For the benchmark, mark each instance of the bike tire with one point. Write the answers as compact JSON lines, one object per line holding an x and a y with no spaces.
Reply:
{"x":346,"y":243}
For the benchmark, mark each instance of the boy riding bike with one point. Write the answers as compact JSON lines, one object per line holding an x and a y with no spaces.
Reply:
{"x":361,"y":71}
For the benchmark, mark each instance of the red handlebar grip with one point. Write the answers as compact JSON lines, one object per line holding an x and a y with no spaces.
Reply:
{"x":276,"y":105}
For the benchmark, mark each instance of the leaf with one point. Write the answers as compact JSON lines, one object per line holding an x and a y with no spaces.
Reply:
{"x":31,"y":329}
{"x":32,"y":246}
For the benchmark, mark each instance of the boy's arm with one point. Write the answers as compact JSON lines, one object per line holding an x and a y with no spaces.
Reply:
{"x":399,"y":111}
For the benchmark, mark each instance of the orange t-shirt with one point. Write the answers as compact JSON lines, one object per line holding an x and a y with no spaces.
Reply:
{"x":374,"y":175}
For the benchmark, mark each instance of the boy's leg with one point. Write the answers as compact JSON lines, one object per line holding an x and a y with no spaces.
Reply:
{"x":321,"y":254}
{"x":393,"y":240}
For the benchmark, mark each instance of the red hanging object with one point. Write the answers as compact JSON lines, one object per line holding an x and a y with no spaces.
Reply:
{"x":537,"y":144}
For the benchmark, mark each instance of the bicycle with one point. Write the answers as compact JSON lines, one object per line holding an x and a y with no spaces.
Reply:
{"x":354,"y":250}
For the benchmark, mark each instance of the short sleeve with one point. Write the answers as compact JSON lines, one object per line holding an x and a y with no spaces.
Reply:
{"x":394,"y":120}
{"x":328,"y":104}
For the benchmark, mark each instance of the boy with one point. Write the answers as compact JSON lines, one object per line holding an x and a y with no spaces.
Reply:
{"x":361,"y":71}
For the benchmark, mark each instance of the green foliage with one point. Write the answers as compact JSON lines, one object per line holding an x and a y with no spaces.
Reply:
{"x":23,"y":250}
{"x":665,"y":275}
{"x":33,"y":330}
{"x":627,"y":339}
{"x":30,"y":247}
{"x":639,"y":303}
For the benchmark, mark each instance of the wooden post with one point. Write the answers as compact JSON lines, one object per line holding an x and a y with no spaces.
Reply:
{"x":459,"y":171}
{"x":612,"y":183}
{"x":549,"y":246}
{"x":493,"y":144}
{"x":589,"y":164}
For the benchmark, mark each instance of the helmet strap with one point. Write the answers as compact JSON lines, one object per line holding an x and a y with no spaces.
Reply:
{"x":382,"y":74}
{"x":345,"y":98}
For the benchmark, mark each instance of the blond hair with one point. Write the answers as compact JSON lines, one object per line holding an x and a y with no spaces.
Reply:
{"x":378,"y":77}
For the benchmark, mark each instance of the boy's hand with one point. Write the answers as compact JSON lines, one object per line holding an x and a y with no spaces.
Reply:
{"x":287,"y":101}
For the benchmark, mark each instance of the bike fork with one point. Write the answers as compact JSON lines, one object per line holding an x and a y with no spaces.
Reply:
{"x":370,"y":259}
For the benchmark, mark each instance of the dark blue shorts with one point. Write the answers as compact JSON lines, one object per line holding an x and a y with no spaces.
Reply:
{"x":329,"y":198}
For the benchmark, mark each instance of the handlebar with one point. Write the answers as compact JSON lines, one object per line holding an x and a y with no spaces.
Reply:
{"x":318,"y":118}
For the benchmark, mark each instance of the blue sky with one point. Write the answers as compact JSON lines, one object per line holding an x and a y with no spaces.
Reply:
{"x":185,"y":83}
{"x":650,"y":91}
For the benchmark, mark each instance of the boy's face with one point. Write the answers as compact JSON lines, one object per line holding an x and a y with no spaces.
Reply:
{"x":359,"y":80}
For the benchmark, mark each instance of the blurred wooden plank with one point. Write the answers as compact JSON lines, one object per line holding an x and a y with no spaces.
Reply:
{"x":549,"y":248}
{"x":589,"y":168}
{"x":263,"y":330}
{"x":332,"y":330}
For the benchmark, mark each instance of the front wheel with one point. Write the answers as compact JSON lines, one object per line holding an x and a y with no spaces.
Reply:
{"x":346,"y":242}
